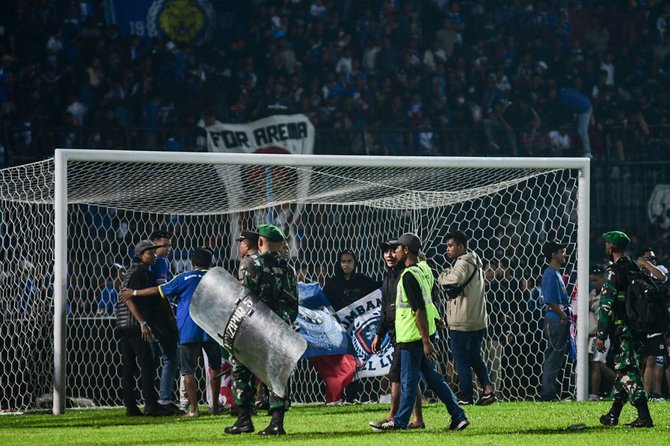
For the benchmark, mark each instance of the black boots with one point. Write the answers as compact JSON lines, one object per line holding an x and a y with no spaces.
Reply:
{"x":611,"y":418}
{"x":643,"y":416}
{"x":276,"y":426}
{"x":643,"y":419}
{"x":243,"y":424}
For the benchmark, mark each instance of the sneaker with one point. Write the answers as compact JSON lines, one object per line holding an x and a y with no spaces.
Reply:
{"x":156,"y":410}
{"x":421,"y":425}
{"x":191,"y":414}
{"x":459,"y":425}
{"x":462,"y":402}
{"x":171,"y":408}
{"x":384,"y":427}
{"x":133,"y":411}
{"x":219,"y":409}
{"x":486,"y":399}
{"x":593,"y":397}
{"x":377,"y":423}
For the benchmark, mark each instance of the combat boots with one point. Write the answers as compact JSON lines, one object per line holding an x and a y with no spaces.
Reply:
{"x":643,"y":416}
{"x":243,"y":424}
{"x":276,"y":426}
{"x":611,"y":418}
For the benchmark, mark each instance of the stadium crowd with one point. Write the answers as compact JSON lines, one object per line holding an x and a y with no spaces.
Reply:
{"x":68,"y":78}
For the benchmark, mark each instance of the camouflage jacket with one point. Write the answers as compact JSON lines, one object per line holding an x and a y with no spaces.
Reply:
{"x":248,"y":265}
{"x":273,"y":281}
{"x":612,"y":311}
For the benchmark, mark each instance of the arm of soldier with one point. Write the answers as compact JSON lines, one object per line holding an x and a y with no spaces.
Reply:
{"x":605,"y":315}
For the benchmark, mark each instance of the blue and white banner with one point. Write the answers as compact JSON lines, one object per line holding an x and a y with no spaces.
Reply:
{"x":350,"y":330}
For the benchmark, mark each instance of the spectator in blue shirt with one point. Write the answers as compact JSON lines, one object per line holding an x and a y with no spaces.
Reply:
{"x":572,"y":101}
{"x":167,"y":349}
{"x":192,"y":339}
{"x":556,"y":320}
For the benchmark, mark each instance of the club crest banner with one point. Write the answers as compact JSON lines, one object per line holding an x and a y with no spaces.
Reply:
{"x":350,"y":330}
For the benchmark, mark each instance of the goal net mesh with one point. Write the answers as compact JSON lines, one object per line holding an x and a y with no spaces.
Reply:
{"x":507,"y":212}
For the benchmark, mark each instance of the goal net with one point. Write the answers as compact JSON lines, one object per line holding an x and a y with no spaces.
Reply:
{"x":109,"y":200}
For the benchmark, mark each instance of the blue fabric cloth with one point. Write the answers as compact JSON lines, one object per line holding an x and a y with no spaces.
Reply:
{"x":466,"y":347}
{"x":161,"y":270}
{"x":180,"y":290}
{"x":573,"y":100}
{"x":413,"y":365}
{"x":553,"y":291}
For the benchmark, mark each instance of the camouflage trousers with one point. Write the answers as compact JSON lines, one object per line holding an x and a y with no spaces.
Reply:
{"x":244,"y":389}
{"x":628,"y":384}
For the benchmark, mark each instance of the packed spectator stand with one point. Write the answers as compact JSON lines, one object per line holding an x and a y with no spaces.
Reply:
{"x":431,"y":77}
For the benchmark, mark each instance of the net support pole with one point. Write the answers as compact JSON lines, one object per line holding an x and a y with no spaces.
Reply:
{"x":583,"y":218}
{"x":60,"y":280}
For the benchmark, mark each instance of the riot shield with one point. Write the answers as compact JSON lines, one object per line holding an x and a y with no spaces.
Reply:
{"x":247,"y":328}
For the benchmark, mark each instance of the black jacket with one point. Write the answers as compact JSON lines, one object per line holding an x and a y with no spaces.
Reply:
{"x":389,"y":291}
{"x":138,"y":277}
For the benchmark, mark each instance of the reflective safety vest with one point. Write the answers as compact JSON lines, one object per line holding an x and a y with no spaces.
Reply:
{"x":405,"y":319}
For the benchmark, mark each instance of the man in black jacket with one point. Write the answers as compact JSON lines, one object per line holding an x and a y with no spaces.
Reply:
{"x":134,"y":322}
{"x":387,"y":325}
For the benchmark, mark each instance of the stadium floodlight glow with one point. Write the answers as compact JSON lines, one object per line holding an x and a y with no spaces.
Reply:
{"x":77,"y":215}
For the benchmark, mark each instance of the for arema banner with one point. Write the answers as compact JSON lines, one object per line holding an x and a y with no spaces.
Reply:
{"x":280,"y":133}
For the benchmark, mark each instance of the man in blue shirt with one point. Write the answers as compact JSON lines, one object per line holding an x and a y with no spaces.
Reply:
{"x":556,"y":320}
{"x":192,"y":338}
{"x":580,"y":105}
{"x":167,"y":349}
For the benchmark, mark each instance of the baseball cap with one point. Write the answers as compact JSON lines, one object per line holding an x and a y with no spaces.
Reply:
{"x":388,"y":244}
{"x":201,"y":256}
{"x":145,"y":245}
{"x":271,"y":232}
{"x":248,"y":235}
{"x":551,"y":247}
{"x":410,"y":241}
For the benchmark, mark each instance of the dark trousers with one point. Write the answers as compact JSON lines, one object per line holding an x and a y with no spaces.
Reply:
{"x":466,"y":346}
{"x":135,"y":351}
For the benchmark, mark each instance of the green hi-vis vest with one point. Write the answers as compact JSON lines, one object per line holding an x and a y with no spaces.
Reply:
{"x":406,"y":329}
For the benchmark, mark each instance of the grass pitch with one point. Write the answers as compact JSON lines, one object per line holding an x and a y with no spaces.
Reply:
{"x":525,"y":423}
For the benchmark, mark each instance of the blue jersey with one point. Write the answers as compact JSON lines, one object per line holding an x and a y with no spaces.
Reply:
{"x":180,"y":290}
{"x":573,"y":100}
{"x":161,"y":270}
{"x":553,"y":291}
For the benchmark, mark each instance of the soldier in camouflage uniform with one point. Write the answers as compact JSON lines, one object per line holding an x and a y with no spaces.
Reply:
{"x":249,"y":253}
{"x":273,"y":281}
{"x":626,"y":346}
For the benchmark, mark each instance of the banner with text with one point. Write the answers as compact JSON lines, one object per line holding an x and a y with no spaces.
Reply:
{"x":350,"y":330}
{"x":280,"y":133}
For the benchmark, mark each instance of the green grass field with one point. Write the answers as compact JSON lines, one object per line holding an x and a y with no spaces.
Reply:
{"x":524,"y":423}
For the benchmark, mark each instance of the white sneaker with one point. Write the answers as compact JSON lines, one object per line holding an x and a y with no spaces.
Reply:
{"x":593,"y":397}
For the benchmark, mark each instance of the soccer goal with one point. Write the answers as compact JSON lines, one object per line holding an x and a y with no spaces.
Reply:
{"x":69,"y":223}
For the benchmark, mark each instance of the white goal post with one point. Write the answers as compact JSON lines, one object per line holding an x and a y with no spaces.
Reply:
{"x":509,"y":206}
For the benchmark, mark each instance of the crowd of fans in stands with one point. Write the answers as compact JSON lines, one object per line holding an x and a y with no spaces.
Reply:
{"x":427,"y":66}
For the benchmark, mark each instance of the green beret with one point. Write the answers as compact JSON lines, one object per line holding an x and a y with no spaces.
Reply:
{"x":271,"y":232}
{"x":616,"y":237}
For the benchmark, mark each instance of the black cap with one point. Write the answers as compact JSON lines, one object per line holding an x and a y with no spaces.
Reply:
{"x":410,"y":241}
{"x":202,"y":257}
{"x":388,"y":244}
{"x":248,"y":235}
{"x":597,"y":269}
{"x":551,"y":247}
